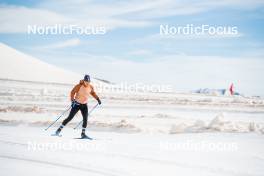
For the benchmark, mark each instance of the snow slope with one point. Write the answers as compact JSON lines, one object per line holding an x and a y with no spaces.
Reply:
{"x":19,"y":66}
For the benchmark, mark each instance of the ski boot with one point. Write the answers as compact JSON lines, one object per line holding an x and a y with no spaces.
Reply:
{"x":57,"y":133}
{"x":84,"y":136}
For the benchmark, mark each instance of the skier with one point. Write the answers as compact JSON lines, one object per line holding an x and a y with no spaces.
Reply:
{"x":79,"y":99}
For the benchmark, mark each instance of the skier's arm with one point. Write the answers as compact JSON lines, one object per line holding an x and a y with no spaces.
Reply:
{"x":95,"y":95}
{"x":74,"y":91}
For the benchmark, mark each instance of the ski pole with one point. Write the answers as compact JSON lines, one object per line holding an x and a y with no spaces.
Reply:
{"x":58,"y":117}
{"x":88,"y":116}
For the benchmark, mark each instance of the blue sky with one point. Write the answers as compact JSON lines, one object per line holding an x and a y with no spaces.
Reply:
{"x":132,"y":49}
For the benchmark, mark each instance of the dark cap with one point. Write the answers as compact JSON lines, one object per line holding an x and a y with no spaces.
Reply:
{"x":87,"y":78}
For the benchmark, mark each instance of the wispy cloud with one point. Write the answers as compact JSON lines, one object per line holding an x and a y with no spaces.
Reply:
{"x":114,"y":14}
{"x":140,"y":52}
{"x":15,"y":19}
{"x":61,"y":44}
{"x":165,"y":38}
{"x":145,"y":9}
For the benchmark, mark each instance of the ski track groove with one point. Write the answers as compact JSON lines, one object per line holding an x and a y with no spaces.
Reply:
{"x":11,"y":142}
{"x":185,"y":165}
{"x":60,"y":165}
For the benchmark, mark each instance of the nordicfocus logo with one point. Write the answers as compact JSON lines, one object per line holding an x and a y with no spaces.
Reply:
{"x":66,"y":30}
{"x":204,"y":29}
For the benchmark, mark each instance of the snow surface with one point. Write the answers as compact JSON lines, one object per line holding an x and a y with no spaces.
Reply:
{"x":30,"y":150}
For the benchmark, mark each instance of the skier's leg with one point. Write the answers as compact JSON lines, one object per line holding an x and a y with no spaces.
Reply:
{"x":73,"y":111}
{"x":84,"y":111}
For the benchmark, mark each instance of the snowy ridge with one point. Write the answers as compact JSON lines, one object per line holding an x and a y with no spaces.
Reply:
{"x":15,"y":65}
{"x":19,"y":66}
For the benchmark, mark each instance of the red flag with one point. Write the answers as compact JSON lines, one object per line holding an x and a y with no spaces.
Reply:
{"x":231,"y":89}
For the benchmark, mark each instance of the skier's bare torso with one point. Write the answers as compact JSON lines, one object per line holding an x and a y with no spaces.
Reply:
{"x":82,"y":91}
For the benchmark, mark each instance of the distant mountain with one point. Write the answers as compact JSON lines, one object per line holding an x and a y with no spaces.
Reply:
{"x":214,"y":91}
